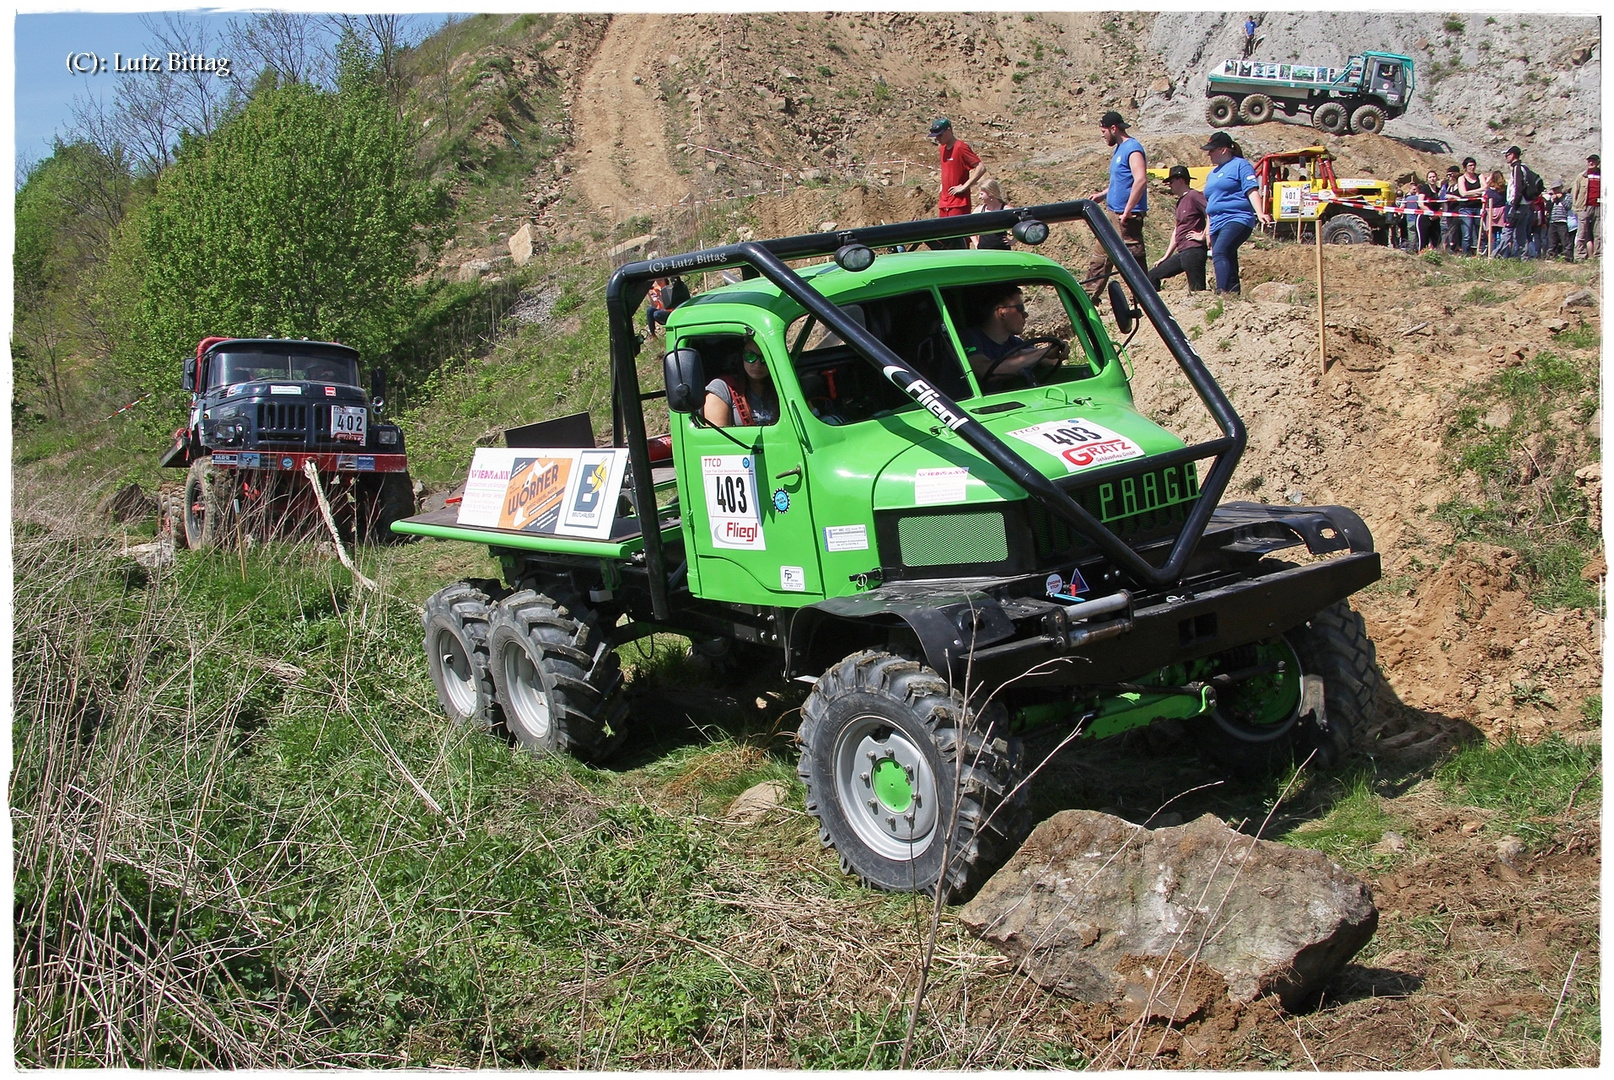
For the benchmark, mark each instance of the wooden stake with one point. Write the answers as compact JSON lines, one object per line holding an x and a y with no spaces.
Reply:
{"x":1322,"y":351}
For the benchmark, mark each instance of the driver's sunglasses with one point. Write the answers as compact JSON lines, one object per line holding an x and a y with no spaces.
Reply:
{"x":1021,"y":308}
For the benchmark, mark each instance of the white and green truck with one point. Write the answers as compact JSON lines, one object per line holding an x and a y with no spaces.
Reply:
{"x":1369,"y":89}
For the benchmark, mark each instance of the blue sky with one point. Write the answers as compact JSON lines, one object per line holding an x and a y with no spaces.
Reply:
{"x":45,"y":88}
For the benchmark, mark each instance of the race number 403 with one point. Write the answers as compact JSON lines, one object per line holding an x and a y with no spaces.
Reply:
{"x":730,"y":482}
{"x":1080,"y":444}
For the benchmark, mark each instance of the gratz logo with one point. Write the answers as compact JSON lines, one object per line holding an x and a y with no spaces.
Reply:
{"x":1107,"y":450}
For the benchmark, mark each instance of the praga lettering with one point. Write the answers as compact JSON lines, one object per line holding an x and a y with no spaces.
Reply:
{"x":1140,"y":494}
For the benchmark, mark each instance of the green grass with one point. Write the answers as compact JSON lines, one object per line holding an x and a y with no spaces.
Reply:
{"x":1529,"y":785}
{"x":242,"y":757}
{"x":1512,"y":436}
{"x":1583,"y":336}
{"x":1355,"y":822}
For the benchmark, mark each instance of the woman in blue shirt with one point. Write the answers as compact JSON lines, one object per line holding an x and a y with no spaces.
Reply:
{"x":1233,"y":206}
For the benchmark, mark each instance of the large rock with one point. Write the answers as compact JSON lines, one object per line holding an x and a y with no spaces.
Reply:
{"x":521,"y":245}
{"x":126,"y":504}
{"x":1099,"y":909}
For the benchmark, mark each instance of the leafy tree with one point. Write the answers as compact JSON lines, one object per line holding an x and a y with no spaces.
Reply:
{"x":300,"y":216}
{"x":67,"y":208}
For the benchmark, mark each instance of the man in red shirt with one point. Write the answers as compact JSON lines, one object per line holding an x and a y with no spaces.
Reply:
{"x":960,"y":169}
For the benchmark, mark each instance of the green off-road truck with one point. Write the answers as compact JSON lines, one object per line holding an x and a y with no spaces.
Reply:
{"x":948,"y":558}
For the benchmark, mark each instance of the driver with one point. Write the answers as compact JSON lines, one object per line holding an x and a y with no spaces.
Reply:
{"x":995,"y":348}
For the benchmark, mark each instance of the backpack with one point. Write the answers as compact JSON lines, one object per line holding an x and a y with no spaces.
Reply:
{"x":676,"y":293}
{"x":1534,"y":186}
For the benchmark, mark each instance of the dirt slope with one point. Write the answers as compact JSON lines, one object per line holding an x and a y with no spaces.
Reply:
{"x":622,"y":153}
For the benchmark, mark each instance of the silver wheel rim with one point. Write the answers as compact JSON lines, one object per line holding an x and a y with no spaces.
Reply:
{"x":869,"y":744}
{"x":456,"y":667}
{"x":529,"y":701}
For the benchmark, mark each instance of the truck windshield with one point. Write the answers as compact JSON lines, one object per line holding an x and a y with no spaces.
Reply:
{"x":841,"y":388}
{"x":228,"y":368}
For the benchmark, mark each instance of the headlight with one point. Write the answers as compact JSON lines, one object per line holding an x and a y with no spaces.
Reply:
{"x":387,"y":436}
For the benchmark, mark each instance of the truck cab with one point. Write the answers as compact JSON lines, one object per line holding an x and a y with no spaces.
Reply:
{"x":1389,"y":78}
{"x":264,"y":410}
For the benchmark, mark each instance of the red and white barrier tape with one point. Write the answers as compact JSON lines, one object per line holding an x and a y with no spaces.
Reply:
{"x":1405,"y":211}
{"x":127,"y":407}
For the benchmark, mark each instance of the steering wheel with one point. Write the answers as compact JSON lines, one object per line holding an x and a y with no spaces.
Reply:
{"x":1056,"y":349}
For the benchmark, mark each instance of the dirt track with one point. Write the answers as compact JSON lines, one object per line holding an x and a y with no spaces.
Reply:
{"x":621,"y":147}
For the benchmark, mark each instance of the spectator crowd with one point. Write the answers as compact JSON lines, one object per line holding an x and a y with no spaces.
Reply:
{"x":1509,"y":213}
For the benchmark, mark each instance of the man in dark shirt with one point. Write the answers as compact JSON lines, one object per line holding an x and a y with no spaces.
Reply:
{"x":994,"y":347}
{"x":1186,"y":255}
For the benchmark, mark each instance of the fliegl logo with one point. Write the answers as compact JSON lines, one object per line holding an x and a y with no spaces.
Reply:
{"x":928,"y":396}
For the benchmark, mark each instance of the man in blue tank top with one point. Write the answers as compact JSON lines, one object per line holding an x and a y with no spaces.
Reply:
{"x":1126,"y":199}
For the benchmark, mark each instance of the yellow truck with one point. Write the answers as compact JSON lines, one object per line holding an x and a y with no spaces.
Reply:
{"x":1300,"y":187}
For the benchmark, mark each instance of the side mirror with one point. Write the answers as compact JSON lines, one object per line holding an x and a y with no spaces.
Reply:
{"x":187,"y":381}
{"x":686,"y":380}
{"x":378,"y":389}
{"x":1124,"y":313}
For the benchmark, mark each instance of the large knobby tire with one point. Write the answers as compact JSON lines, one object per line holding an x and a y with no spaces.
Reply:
{"x":1222,"y":111}
{"x":1332,"y":646}
{"x":1347,"y":229}
{"x":381,"y":500}
{"x":456,"y":643}
{"x":1255,"y":109}
{"x":206,"y":506}
{"x":558,"y":681}
{"x":1368,"y":120}
{"x":1331,"y":118}
{"x":885,"y":742}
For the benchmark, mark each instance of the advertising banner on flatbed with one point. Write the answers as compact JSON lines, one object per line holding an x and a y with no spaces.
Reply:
{"x":567,"y":492}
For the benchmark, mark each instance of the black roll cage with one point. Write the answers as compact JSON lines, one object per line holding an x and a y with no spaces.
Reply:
{"x":629,"y":284}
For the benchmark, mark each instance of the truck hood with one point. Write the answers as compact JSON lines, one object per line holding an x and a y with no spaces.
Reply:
{"x":1059,"y":437}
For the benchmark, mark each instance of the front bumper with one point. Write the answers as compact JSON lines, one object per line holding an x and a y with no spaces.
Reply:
{"x":292,"y":461}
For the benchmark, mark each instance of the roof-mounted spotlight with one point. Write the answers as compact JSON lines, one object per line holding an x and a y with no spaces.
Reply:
{"x":855,"y":257}
{"x":1030,"y":231}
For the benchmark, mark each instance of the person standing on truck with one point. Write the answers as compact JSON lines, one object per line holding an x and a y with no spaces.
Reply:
{"x":1470,"y":193}
{"x":1126,"y":198}
{"x":1233,"y":206}
{"x":747,"y":400}
{"x":1587,"y":194}
{"x":961,"y":169}
{"x":1186,"y":254}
